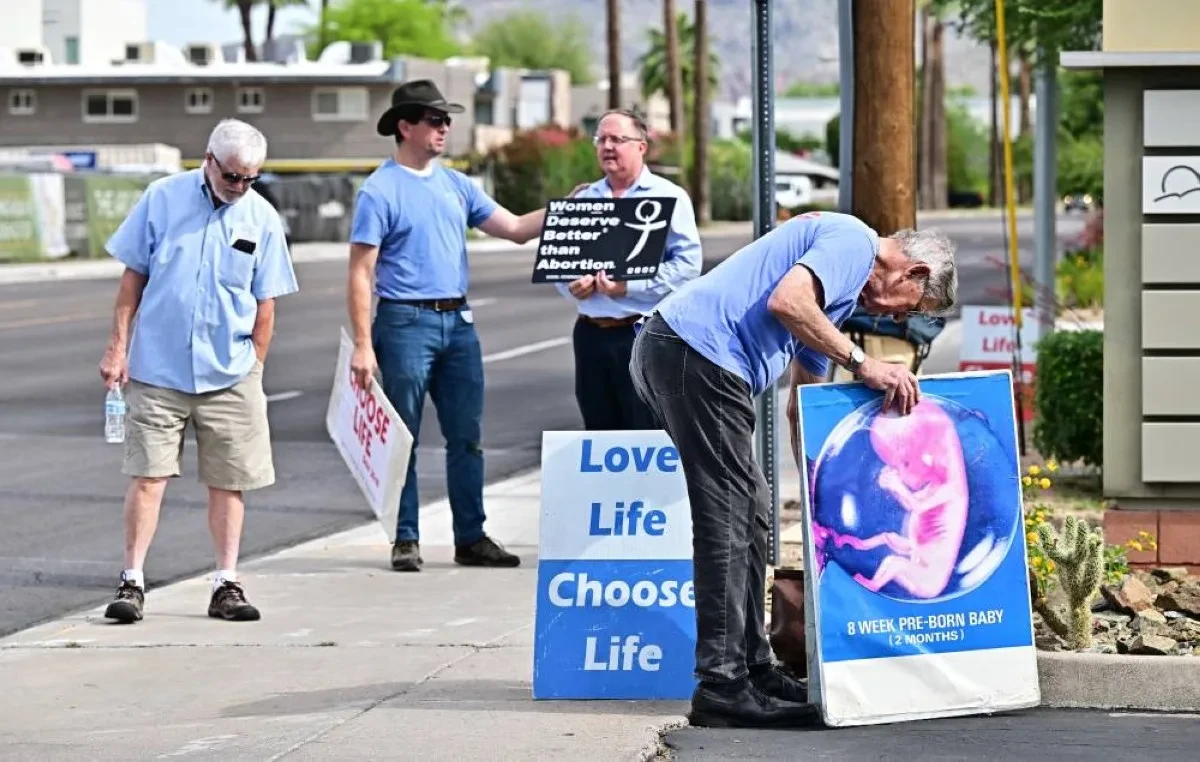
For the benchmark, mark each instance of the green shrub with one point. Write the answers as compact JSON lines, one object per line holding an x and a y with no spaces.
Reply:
{"x":1069,"y":397}
{"x":540,"y":164}
{"x":1080,"y":278}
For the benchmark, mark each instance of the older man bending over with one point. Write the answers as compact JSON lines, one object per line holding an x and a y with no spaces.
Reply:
{"x":699,"y":362}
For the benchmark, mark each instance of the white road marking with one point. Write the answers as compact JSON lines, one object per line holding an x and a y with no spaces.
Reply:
{"x":281,"y":396}
{"x":483,"y":302}
{"x":526,"y":349}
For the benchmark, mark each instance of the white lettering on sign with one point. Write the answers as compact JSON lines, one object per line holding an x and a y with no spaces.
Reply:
{"x":586,"y":265}
{"x":583,"y":206}
{"x":990,"y":336}
{"x":621,"y":655}
{"x":571,"y":590}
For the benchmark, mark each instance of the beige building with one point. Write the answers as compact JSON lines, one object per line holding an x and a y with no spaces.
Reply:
{"x":317,"y":114}
{"x":1150,"y":60}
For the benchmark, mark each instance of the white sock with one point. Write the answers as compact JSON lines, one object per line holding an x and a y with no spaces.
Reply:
{"x":222,"y":575}
{"x":134,"y":576}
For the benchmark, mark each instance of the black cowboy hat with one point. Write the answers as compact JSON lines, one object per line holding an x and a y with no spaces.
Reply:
{"x":420,"y":92}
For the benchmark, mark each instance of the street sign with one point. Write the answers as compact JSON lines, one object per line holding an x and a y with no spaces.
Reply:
{"x":372,"y":440}
{"x":989,"y":343}
{"x":616,"y":612}
{"x":623,"y":237}
{"x":917,"y":594}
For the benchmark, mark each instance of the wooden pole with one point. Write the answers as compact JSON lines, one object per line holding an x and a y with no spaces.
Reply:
{"x":614,"y":53}
{"x":700,"y":117}
{"x":884,"y":145}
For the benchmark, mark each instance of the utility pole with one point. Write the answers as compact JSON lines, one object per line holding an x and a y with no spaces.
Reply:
{"x":884,"y":77}
{"x":674,"y":69}
{"x":614,"y":54}
{"x":700,"y":117}
{"x":1045,"y":192}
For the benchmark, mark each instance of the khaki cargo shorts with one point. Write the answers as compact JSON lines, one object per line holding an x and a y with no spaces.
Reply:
{"x":232,"y":434}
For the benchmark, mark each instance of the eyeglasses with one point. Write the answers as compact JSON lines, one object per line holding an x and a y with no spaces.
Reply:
{"x":234,"y":177}
{"x":614,"y":139}
{"x":436,"y":120}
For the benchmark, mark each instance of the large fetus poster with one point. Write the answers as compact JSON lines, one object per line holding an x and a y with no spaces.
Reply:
{"x":918,"y":581}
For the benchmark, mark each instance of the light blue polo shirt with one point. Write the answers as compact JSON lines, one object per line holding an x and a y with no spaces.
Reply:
{"x":682,"y":261}
{"x":419,"y":222}
{"x":192,"y":330}
{"x":723,"y":314}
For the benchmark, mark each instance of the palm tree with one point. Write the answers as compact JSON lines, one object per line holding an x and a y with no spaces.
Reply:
{"x":674,"y":70}
{"x":655,"y":66}
{"x":700,"y":115}
{"x":614,"y":53}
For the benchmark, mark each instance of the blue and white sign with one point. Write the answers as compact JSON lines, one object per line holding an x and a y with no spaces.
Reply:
{"x":616,"y":612}
{"x":914,"y":537}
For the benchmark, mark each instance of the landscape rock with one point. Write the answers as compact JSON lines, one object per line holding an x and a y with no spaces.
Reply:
{"x":1156,"y":645}
{"x":1130,"y":596}
{"x":1185,"y":600}
{"x":1170,"y":573}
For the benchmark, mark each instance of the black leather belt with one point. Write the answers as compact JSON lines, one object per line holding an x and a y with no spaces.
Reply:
{"x":437,"y":305}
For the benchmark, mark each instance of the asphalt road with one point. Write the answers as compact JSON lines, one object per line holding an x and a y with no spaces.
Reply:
{"x":1035,"y":734}
{"x":61,"y":489}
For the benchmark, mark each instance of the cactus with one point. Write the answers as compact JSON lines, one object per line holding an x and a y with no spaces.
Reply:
{"x":1078,"y":555}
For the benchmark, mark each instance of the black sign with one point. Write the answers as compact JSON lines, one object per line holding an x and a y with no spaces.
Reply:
{"x":624,"y":237}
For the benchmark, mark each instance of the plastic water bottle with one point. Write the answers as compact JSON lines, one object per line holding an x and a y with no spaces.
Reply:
{"x":114,"y":416}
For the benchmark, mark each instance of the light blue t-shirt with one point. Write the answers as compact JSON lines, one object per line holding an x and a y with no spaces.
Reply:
{"x":723,"y":314}
{"x":419,"y":222}
{"x":208,"y":268}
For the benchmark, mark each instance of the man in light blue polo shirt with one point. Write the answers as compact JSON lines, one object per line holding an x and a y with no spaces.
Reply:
{"x":205,"y":260}
{"x":409,"y":236}
{"x":715,"y":345}
{"x":604,"y":331}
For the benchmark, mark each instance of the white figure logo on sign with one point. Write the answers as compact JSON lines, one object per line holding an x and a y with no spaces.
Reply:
{"x":371,"y":438}
{"x":650,"y":222}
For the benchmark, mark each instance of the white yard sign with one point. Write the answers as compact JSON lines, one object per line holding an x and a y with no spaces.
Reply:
{"x":371,"y":438}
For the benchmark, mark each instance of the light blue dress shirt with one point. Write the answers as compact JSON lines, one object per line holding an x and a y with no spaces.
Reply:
{"x":192,"y":330}
{"x":419,"y":221}
{"x":681,"y":262}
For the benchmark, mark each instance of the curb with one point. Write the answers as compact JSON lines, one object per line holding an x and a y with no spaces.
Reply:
{"x":1119,"y":681}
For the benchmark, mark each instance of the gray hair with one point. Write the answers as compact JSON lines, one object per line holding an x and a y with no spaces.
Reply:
{"x":233,"y":138}
{"x":934,"y":249}
{"x":634,"y":116}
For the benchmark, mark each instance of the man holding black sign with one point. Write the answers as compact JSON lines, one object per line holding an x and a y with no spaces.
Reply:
{"x":641,"y":256}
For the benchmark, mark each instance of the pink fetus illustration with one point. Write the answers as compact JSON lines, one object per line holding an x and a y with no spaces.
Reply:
{"x":926,"y":474}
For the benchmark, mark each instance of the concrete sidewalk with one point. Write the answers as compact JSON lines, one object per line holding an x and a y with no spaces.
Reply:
{"x":350,"y":661}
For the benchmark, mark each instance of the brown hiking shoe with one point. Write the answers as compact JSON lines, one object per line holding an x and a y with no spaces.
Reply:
{"x":128,"y":604}
{"x":406,"y":556}
{"x":484,"y":552}
{"x":229,"y":602}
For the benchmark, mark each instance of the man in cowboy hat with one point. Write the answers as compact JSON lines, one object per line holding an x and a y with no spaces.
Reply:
{"x":409,"y":232}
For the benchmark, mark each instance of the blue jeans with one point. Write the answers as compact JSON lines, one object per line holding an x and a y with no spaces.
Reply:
{"x":421,"y":351}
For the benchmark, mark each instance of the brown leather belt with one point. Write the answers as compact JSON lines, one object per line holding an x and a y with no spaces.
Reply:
{"x":607,"y":322}
{"x":437,"y":305}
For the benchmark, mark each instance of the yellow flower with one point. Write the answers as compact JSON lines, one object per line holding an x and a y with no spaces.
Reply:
{"x":1051,"y":466}
{"x":1034,"y":470}
{"x":1134,"y":545}
{"x":1036,"y":561}
{"x":1049,"y":566}
{"x":1026,"y":481}
{"x":1044,"y":483}
{"x":1032,"y":537}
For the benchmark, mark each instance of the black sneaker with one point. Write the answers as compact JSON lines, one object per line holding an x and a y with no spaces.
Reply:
{"x":484,"y":552}
{"x":229,"y":602}
{"x":127,"y":606}
{"x":773,"y":682}
{"x":406,"y":556}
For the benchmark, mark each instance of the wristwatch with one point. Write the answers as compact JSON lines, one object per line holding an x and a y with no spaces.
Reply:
{"x":857,"y":358}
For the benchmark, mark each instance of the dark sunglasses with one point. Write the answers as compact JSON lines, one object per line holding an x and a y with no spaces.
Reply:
{"x":234,"y":177}
{"x":436,"y":120}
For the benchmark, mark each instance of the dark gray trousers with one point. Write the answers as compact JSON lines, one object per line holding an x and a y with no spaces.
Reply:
{"x":709,"y":414}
